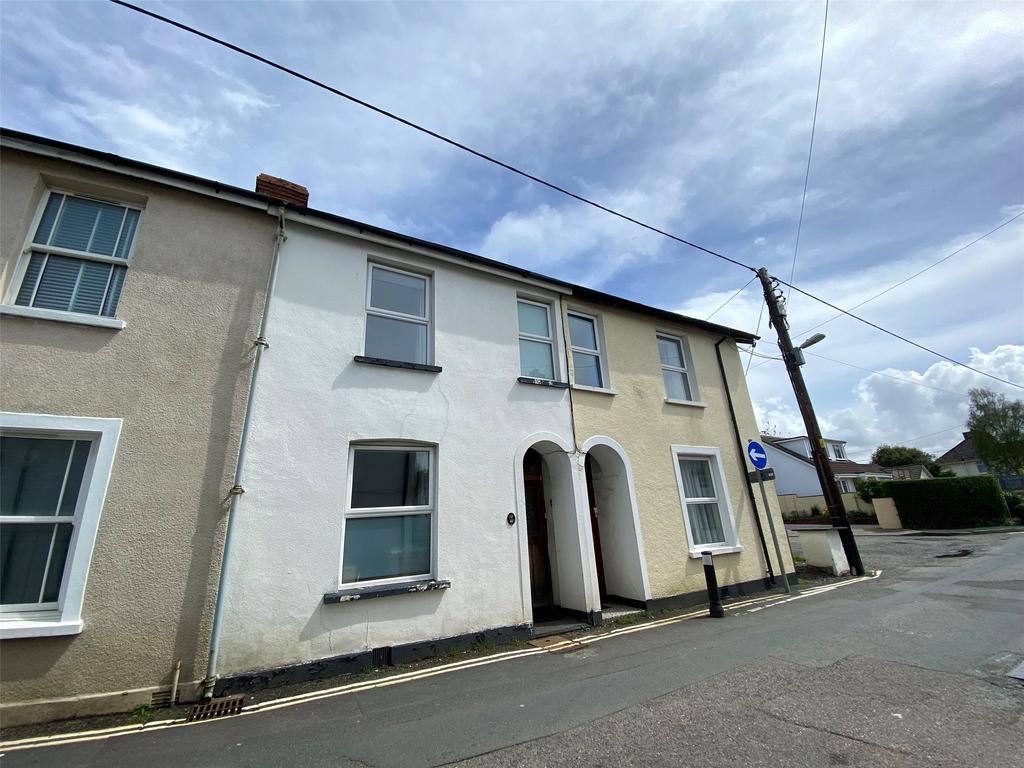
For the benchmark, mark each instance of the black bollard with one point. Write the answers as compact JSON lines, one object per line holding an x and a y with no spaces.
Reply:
{"x":715,"y":608}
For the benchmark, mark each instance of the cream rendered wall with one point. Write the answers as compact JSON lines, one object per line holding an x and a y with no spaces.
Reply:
{"x":639,"y":419}
{"x":313,"y":400}
{"x":178,"y":376}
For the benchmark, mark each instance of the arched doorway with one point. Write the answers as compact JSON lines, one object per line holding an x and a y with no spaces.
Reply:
{"x":618,"y":546}
{"x":541,"y":589}
{"x":557,"y":561}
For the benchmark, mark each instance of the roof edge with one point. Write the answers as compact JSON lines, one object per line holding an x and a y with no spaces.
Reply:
{"x":9,"y":135}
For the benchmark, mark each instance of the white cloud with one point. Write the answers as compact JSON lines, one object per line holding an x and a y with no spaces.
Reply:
{"x":584,"y":241}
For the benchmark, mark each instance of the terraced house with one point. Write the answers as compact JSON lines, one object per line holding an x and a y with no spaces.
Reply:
{"x":131,"y":296}
{"x":434,"y":448}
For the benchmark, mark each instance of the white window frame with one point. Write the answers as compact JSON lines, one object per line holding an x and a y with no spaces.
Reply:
{"x":687,"y":370}
{"x":843,"y":482}
{"x":838,"y":451}
{"x":428,"y":306}
{"x":551,"y":339}
{"x":364,"y":512}
{"x":28,"y":248}
{"x":722,"y":498}
{"x":65,"y":617}
{"x":600,"y":351}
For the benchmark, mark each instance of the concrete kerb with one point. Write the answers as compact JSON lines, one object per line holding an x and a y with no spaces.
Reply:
{"x":873,"y":531}
{"x":581,"y":639}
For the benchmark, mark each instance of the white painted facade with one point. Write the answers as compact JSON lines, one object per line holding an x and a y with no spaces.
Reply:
{"x":313,"y":401}
{"x":792,"y":475}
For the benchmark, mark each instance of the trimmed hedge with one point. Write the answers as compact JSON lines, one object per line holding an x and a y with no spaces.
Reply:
{"x":949,"y":502}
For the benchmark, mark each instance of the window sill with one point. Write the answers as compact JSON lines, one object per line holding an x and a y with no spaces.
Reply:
{"x":543,"y":382}
{"x":350,"y":594}
{"x":598,"y":390}
{"x":719,"y":549}
{"x":16,"y":628}
{"x":691,"y":403}
{"x":74,"y":318}
{"x":397,"y":364}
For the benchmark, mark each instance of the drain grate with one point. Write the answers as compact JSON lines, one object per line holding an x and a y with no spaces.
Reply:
{"x":208,"y":710}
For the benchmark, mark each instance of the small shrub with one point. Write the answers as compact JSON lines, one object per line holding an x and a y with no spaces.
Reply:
{"x":1015,"y":504}
{"x":869,"y":488}
{"x":815,"y":511}
{"x":953,"y":502}
{"x":142,"y":713}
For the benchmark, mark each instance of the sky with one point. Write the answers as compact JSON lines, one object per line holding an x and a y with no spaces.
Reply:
{"x":694,"y":117}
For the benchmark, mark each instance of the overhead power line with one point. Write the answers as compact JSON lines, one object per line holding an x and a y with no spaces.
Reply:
{"x":932,"y":434}
{"x":887,"y":375}
{"x":810,"y":148}
{"x":427,"y":131}
{"x":757,"y":330}
{"x":916,"y":274}
{"x":512,"y":169}
{"x":898,"y":336}
{"x":769,"y":358}
{"x":722,"y":305}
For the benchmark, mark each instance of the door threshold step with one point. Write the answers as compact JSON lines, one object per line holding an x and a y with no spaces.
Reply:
{"x":548,"y":628}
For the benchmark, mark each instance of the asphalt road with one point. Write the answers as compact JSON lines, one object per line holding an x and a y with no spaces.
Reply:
{"x":905,"y":670}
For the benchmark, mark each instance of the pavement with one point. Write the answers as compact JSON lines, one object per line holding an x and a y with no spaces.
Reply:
{"x":909,"y":669}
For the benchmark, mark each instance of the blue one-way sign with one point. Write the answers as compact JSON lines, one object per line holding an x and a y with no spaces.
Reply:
{"x":757,"y":454}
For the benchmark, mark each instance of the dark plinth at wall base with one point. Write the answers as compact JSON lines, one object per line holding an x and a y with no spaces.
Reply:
{"x":543,"y":382}
{"x":397,"y":364}
{"x":360,"y":662}
{"x":691,"y":599}
{"x":366,"y":593}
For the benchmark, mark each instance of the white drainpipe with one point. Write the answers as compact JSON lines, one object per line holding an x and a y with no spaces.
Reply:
{"x":238,"y":489}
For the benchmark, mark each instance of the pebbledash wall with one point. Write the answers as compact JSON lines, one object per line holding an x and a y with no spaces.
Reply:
{"x":176,"y":378}
{"x":314,"y":400}
{"x":632,"y":409}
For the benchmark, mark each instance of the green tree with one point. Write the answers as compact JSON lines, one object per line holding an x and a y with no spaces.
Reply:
{"x":900,"y":455}
{"x":997,"y":429}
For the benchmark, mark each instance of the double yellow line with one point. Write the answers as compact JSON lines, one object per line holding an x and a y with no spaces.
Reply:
{"x":408,"y":677}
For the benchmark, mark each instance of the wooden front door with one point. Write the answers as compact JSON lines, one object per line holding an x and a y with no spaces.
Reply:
{"x":537,"y":538}
{"x":595,"y":528}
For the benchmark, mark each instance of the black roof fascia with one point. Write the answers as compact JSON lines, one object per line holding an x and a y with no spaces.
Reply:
{"x":582,"y":292}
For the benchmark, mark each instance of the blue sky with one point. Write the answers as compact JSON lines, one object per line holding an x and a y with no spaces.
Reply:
{"x":695,"y":117}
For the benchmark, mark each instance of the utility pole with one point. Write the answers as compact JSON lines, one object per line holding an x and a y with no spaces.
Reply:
{"x":794,"y":359}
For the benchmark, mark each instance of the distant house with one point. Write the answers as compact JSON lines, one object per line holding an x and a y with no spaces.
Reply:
{"x":796,"y":480}
{"x":963,"y":461}
{"x":911,"y":472}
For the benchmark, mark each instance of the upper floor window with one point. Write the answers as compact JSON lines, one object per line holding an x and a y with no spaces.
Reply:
{"x":398,"y":315}
{"x":587,"y":353}
{"x":838,"y":451}
{"x":389,"y":526}
{"x":677,"y":374}
{"x":536,"y":342}
{"x":78,"y":256}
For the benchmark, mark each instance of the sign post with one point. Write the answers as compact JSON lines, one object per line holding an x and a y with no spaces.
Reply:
{"x":759,"y":458}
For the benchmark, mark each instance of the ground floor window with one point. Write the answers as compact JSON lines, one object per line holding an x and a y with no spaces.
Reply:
{"x":847,"y":486}
{"x":53,"y":477}
{"x":707,"y":513}
{"x":388,"y":529}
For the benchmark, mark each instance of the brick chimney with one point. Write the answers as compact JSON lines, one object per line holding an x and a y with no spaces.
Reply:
{"x":282,"y":189}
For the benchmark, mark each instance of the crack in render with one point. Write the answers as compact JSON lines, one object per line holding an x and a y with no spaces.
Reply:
{"x":798,"y":724}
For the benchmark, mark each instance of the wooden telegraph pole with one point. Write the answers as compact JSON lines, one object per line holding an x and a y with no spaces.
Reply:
{"x":794,"y":358}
